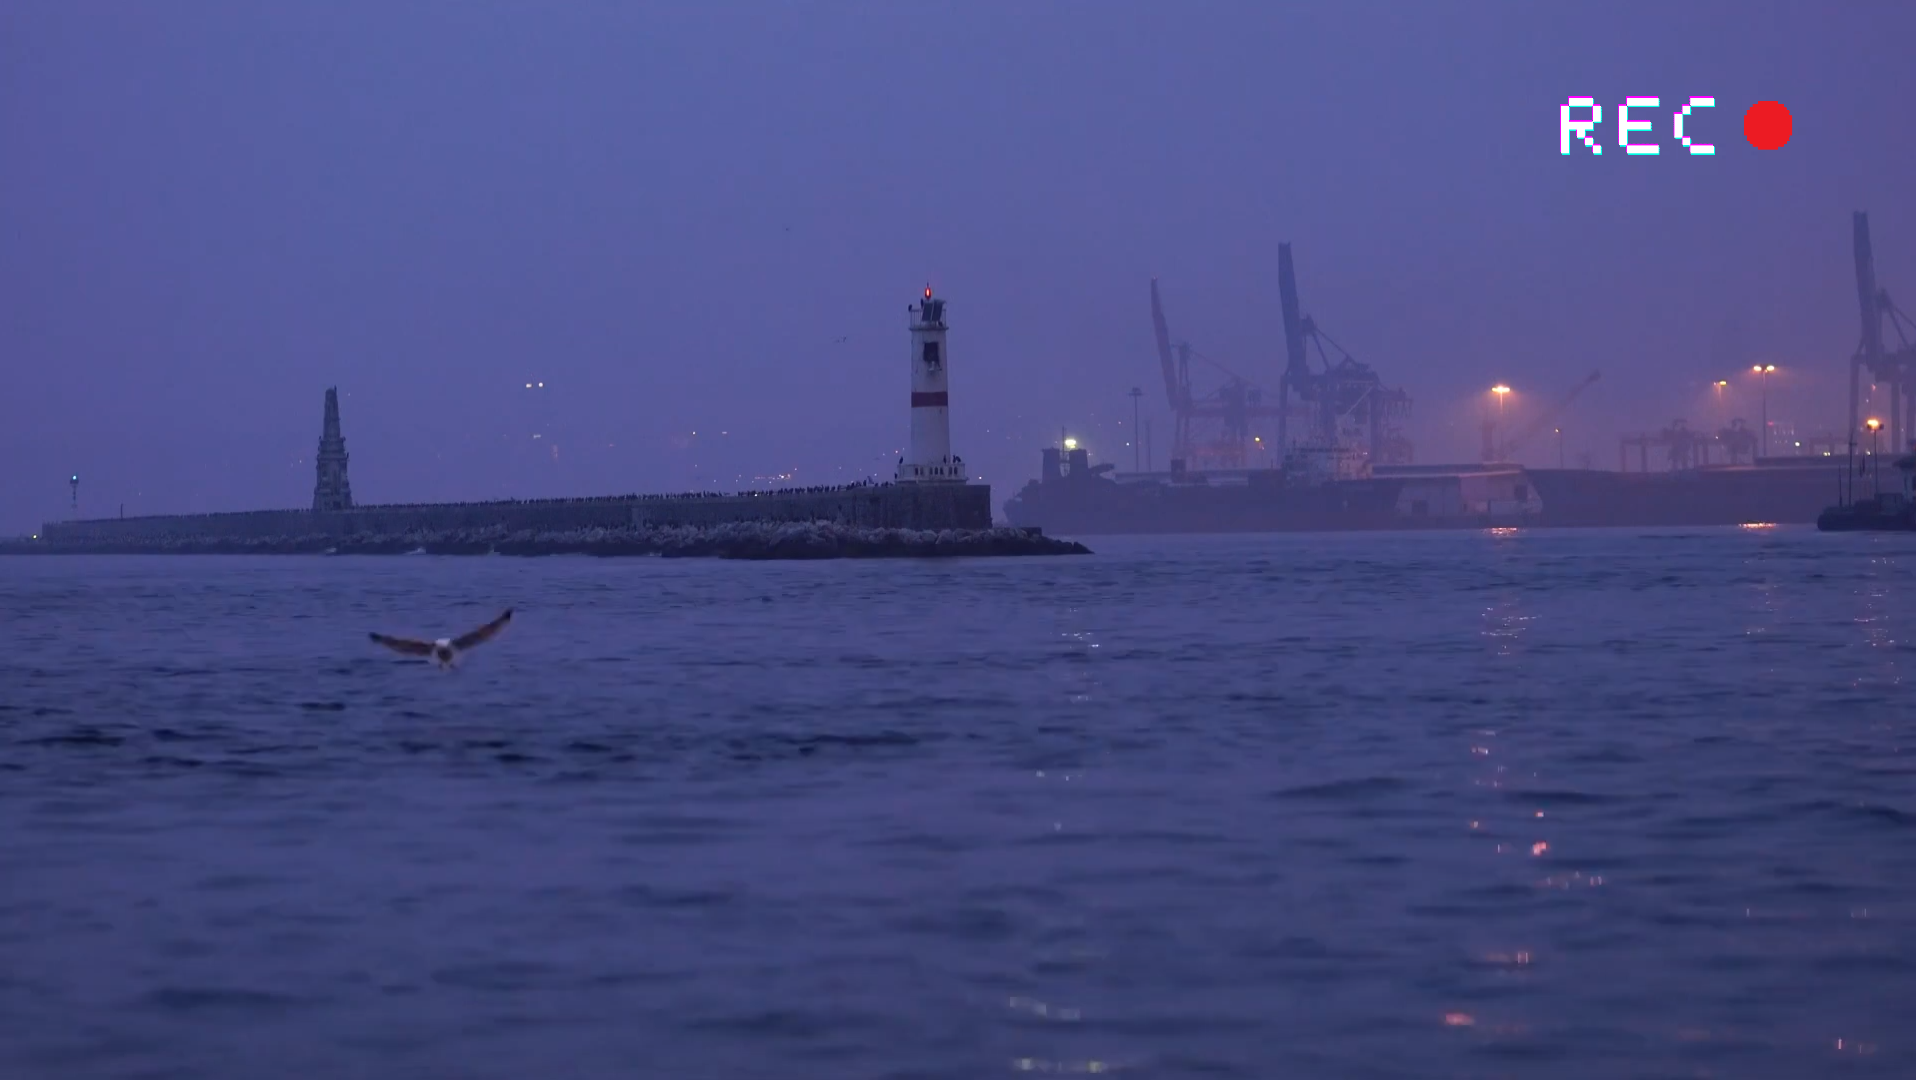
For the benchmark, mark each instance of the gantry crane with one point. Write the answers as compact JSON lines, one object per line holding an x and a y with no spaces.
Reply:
{"x":1344,"y":391}
{"x":1893,"y":368}
{"x":1213,"y":431}
{"x":1687,"y":448}
{"x":1506,"y":450}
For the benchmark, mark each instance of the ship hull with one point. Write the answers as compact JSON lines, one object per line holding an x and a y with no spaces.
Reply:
{"x":1869,"y":515}
{"x":1115,"y":509}
{"x":1781,"y":495}
{"x":1566,"y":498}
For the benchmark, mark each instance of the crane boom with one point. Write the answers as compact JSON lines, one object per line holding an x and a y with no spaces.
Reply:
{"x":1297,"y":364}
{"x":1516,"y":442}
{"x":1172,"y":390}
{"x":1866,"y":292}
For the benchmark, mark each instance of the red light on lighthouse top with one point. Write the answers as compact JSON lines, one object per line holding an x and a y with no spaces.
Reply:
{"x":927,"y":292}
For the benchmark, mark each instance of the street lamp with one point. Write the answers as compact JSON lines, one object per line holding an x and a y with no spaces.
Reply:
{"x":1764,"y":370}
{"x":1559,"y":448}
{"x":1492,"y":428}
{"x":1876,"y":469}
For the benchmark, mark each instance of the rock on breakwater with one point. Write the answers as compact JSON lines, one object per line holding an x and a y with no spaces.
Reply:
{"x":733,"y":540}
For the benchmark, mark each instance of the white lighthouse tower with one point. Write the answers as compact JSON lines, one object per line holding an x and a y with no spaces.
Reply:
{"x":929,"y":460}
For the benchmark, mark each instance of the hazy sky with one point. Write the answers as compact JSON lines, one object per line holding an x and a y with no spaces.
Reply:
{"x":710,"y":216}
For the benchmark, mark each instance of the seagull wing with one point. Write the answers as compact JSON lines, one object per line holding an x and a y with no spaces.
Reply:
{"x":404,"y":645}
{"x":484,"y":633}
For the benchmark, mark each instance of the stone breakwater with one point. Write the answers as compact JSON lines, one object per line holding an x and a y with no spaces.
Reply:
{"x":733,"y":540}
{"x":883,"y":506}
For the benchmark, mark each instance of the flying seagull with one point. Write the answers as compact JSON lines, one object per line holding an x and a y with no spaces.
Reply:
{"x":445,"y":650}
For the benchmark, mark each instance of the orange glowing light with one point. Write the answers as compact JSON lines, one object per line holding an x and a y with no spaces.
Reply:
{"x":1872,"y":423}
{"x":927,"y":292}
{"x":1500,"y":388}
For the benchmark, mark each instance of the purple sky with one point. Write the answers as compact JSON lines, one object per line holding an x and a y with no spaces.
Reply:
{"x":671,"y":213}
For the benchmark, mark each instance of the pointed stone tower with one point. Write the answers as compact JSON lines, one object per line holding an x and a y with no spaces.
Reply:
{"x":332,"y":492}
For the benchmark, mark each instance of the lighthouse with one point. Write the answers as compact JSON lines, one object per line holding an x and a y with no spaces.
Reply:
{"x":929,"y":459}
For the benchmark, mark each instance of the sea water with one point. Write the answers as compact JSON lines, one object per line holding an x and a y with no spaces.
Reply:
{"x":1572,"y":803}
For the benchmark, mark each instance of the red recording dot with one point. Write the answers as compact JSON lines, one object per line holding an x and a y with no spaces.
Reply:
{"x":1767,"y":125}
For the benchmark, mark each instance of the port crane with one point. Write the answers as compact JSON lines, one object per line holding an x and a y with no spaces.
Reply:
{"x":1212,"y":431}
{"x":1895,"y":368}
{"x":1337,"y":392}
{"x":1739,"y":443}
{"x":1343,"y":391}
{"x":1687,"y":448}
{"x":1509,"y":447}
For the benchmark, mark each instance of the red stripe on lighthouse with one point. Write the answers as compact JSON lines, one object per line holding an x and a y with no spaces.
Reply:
{"x":936,"y":399}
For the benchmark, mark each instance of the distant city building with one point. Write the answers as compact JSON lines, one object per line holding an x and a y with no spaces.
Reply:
{"x":332,"y":491}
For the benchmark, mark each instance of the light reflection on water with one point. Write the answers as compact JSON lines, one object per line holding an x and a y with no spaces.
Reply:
{"x":1879,"y":595}
{"x":1590,"y":804}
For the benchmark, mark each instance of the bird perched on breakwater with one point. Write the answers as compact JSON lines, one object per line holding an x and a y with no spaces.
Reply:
{"x":446,"y":651}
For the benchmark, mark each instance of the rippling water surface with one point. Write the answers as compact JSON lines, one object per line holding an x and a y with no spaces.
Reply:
{"x":1578,"y":804}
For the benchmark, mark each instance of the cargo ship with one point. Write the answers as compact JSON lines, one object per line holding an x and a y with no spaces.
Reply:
{"x":1072,"y":496}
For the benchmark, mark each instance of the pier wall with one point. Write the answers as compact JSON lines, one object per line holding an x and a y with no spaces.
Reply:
{"x":902,"y":506}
